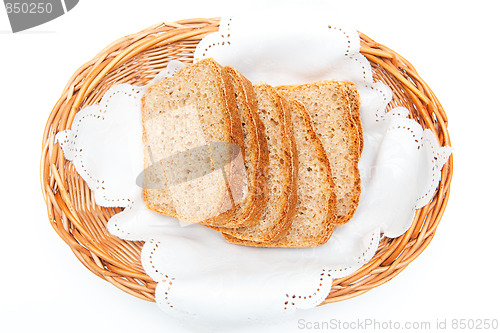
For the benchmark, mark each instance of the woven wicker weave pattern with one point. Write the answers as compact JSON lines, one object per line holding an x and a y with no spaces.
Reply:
{"x":136,"y":59}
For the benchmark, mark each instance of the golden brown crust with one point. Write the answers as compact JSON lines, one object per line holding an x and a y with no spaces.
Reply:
{"x":252,"y":206}
{"x":329,"y":220}
{"x":236,"y":136}
{"x":355,"y":152}
{"x":263,"y":166}
{"x":288,"y":202}
{"x":331,"y":207}
{"x":354,"y":104}
{"x":350,"y":133}
{"x":262,"y":190}
{"x":294,"y":156}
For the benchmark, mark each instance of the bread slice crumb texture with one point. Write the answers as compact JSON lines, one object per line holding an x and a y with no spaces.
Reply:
{"x":328,"y":105}
{"x":277,"y":215}
{"x":256,"y":152}
{"x":190,"y":128}
{"x":313,"y":222}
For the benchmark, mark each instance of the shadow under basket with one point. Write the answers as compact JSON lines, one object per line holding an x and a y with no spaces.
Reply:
{"x":136,"y":59}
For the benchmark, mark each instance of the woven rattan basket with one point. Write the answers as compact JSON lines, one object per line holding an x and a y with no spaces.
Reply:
{"x":137,"y":58}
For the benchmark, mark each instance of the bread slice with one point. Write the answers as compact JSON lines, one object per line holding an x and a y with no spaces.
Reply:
{"x":276,"y":218}
{"x":354,"y":104}
{"x":329,"y":107}
{"x":193,"y":146}
{"x":313,"y":222}
{"x":256,"y":152}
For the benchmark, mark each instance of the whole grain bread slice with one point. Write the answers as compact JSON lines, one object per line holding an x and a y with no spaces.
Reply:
{"x":274,"y":111}
{"x":193,"y":146}
{"x":313,"y":222}
{"x":329,"y":107}
{"x":354,"y":104}
{"x":256,"y":153}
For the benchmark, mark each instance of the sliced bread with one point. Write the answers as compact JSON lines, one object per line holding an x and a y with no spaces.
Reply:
{"x":275,"y":220}
{"x":354,"y":104}
{"x":329,"y":107}
{"x":256,"y":152}
{"x":193,"y":146}
{"x":313,"y":222}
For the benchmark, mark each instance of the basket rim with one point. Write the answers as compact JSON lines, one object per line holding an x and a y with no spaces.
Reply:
{"x":70,"y":204}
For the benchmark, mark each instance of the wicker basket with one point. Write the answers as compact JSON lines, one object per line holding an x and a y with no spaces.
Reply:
{"x":136,"y":59}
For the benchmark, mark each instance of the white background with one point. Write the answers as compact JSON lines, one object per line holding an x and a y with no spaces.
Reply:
{"x":452,"y":44}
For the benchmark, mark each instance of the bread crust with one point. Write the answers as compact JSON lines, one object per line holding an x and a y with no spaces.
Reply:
{"x":351,"y":133}
{"x":354,"y":104}
{"x":252,"y":206}
{"x":288,"y":202}
{"x":236,"y":136}
{"x":288,"y":239}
